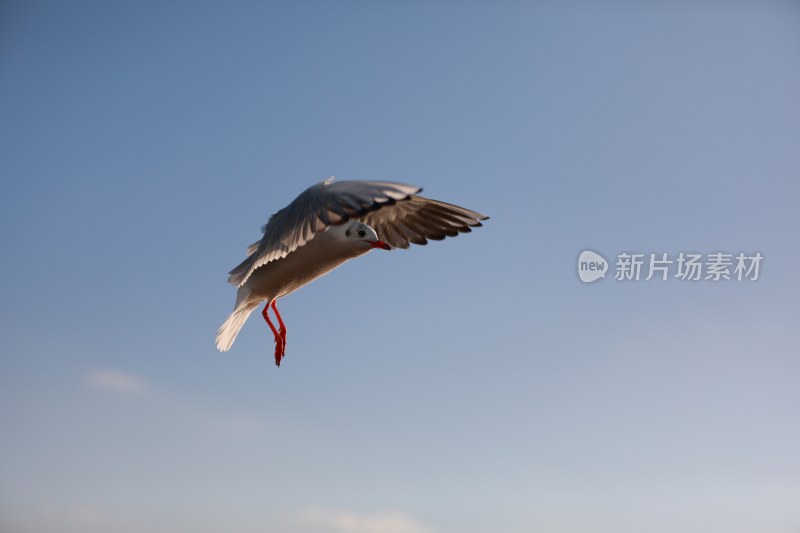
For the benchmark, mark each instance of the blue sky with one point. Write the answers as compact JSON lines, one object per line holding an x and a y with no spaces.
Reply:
{"x":471,"y":385}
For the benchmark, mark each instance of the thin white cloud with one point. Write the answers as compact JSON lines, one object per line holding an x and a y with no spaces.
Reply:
{"x":117,"y":381}
{"x":351,"y":522}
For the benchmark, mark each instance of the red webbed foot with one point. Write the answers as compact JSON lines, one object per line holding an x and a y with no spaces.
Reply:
{"x":280,"y":350}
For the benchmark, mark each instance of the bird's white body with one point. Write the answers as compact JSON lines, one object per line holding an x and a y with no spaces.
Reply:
{"x":322,"y":254}
{"x":326,"y":251}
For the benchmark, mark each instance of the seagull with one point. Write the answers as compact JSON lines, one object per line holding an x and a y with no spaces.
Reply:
{"x":326,"y":225}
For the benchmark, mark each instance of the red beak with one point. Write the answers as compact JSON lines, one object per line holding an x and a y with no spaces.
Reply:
{"x":379,"y":244}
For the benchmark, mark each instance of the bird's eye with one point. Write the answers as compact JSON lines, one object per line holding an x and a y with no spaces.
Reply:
{"x":362,"y":233}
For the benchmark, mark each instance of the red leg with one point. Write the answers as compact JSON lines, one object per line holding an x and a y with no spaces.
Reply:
{"x":280,"y":322}
{"x":279,"y":342}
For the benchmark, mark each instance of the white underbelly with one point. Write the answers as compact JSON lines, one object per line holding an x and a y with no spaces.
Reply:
{"x":300,"y":267}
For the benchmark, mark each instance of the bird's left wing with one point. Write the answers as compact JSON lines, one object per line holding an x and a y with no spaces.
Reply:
{"x":325,"y":204}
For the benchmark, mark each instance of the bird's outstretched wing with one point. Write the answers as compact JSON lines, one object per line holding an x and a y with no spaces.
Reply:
{"x":417,"y":219}
{"x":325,"y":204}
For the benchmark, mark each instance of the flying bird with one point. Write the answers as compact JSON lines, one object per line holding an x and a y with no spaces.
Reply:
{"x":326,"y":225}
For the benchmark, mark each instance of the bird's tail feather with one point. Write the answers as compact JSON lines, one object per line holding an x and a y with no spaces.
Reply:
{"x":230,"y":328}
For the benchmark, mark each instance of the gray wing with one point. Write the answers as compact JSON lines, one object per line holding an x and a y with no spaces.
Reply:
{"x":325,"y":204}
{"x":417,"y":219}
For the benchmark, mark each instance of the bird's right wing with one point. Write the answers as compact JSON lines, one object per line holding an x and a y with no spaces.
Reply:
{"x":417,"y":219}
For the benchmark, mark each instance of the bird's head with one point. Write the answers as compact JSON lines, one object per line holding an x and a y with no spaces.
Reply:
{"x":360,"y":232}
